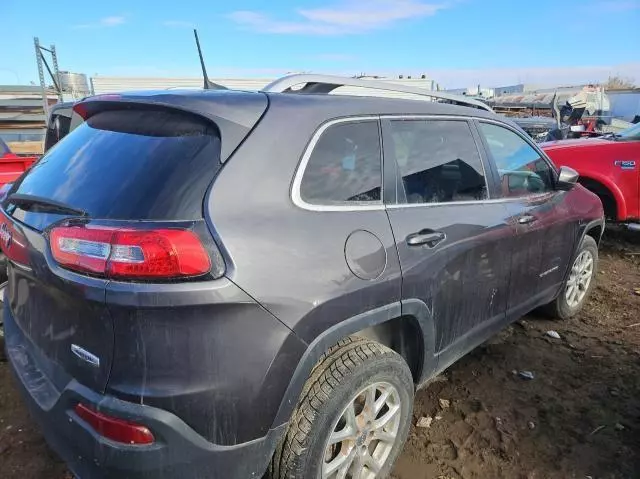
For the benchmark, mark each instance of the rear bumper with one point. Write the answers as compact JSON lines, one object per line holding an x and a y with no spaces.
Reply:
{"x":178,"y":452}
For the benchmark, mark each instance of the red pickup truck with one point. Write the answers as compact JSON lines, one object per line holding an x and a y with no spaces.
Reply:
{"x":11,"y":165}
{"x":609,"y":166}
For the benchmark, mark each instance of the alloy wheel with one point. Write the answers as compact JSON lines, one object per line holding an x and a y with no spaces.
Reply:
{"x":579,"y":279}
{"x":364,"y":434}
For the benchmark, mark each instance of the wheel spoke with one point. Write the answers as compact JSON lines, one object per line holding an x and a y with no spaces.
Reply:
{"x":357,"y":470}
{"x":330,"y":468}
{"x":344,"y":469}
{"x":345,"y":433}
{"x":570,"y":288}
{"x":381,"y":401}
{"x":370,"y":400}
{"x":384,"y":436}
{"x":576,"y":292}
{"x":372,"y":464}
{"x":350,"y":417}
{"x":350,"y":429}
{"x":388,"y":416}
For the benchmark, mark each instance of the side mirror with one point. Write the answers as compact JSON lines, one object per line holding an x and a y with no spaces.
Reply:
{"x":567,"y":178}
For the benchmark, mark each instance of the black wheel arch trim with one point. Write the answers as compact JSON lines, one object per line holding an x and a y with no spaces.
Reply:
{"x":600,"y":222}
{"x":410,"y":307}
{"x":417,"y":309}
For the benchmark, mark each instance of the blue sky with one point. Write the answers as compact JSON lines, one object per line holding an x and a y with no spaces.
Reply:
{"x":456,"y":42}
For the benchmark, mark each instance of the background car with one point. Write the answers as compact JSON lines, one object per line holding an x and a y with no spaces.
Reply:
{"x":609,"y":166}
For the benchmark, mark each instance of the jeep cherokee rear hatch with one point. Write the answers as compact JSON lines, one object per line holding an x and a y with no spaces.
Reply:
{"x":119,"y":199}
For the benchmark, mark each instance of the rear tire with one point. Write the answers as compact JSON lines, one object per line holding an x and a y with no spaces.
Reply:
{"x":579,"y":283}
{"x":354,"y":412}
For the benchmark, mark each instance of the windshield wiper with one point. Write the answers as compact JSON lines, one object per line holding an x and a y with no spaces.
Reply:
{"x":46,"y":204}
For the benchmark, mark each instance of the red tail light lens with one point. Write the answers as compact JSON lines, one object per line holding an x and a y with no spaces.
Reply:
{"x":128,"y":253}
{"x":117,"y":430}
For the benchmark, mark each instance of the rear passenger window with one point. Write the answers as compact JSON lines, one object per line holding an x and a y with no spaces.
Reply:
{"x":438,"y":160}
{"x":344,"y":166}
{"x":522,"y":171}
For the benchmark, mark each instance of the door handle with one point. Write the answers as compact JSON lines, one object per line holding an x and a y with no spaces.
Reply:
{"x":526,"y":219}
{"x":426,"y":237}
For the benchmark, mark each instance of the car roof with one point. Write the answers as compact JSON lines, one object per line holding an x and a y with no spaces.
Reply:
{"x":236,"y":112}
{"x":342,"y":105}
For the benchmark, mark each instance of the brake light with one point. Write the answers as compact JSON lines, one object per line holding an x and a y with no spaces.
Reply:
{"x":128,"y":253}
{"x":117,"y":430}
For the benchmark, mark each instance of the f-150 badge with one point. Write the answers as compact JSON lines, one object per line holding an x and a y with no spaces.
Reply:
{"x":626,"y":164}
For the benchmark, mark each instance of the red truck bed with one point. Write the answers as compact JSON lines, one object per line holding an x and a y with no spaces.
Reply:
{"x":12,"y":166}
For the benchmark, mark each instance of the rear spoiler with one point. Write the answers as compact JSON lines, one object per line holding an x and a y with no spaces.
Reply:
{"x":234,"y":113}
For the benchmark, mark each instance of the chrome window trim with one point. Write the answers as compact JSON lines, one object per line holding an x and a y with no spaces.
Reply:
{"x":472,"y":202}
{"x":296,"y":196}
{"x":379,"y":205}
{"x":465,"y":119}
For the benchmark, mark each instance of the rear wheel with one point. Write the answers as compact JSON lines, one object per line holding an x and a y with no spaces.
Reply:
{"x":579,"y":282}
{"x":353,"y":416}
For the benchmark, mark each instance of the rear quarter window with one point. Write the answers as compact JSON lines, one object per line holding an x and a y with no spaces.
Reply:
{"x":131,"y":164}
{"x":344,"y":167}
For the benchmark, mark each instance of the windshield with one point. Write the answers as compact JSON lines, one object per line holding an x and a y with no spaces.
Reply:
{"x":631,"y":133}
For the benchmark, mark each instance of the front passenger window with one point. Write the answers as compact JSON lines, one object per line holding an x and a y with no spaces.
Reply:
{"x":522,"y":171}
{"x":438,"y":161}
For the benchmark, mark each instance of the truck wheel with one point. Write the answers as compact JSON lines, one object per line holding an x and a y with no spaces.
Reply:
{"x":352,"y":418}
{"x":578,"y":285}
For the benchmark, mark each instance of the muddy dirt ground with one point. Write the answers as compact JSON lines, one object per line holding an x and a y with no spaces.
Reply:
{"x":578,"y":417}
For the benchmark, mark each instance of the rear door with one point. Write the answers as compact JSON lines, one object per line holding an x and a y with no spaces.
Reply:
{"x":546,"y":232}
{"x":118,"y":166}
{"x":454,"y":243}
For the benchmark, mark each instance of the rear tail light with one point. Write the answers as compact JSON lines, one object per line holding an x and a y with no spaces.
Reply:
{"x":129,"y":253}
{"x":117,"y":430}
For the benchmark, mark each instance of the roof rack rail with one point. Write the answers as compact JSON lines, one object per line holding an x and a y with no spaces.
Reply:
{"x":314,"y":83}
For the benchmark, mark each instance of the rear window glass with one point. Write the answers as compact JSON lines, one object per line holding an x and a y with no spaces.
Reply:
{"x":345,"y":166}
{"x":131,"y":164}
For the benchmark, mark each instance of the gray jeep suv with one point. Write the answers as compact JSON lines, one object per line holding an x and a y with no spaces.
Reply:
{"x":223,"y":284}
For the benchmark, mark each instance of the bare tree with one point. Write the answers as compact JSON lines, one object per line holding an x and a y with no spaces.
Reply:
{"x":619,"y":83}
